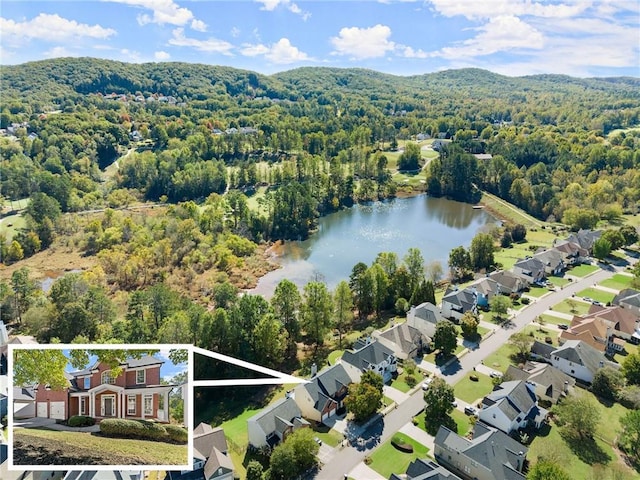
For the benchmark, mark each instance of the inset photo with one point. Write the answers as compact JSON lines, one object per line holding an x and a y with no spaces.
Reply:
{"x":104,"y":406}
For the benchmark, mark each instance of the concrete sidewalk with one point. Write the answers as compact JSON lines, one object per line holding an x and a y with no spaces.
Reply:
{"x":394,"y":394}
{"x":363,"y":472}
{"x":419,"y":436}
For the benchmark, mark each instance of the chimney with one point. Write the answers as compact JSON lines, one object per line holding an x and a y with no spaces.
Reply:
{"x":314,"y":370}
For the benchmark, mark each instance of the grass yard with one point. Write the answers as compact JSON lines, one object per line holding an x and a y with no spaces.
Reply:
{"x":327,"y":435}
{"x":549,"y":318}
{"x":431,"y":357}
{"x":470,"y":391}
{"x":629,"y":348}
{"x":463,"y":425}
{"x":10,"y":225}
{"x":508,"y":256}
{"x":618,"y":282}
{"x":334,"y":356}
{"x":579,"y":308}
{"x":399,"y":382}
{"x":537,"y":292}
{"x":500,"y":359}
{"x":596,"y":294}
{"x":559,"y":281}
{"x":540,"y":334}
{"x":236,"y":429}
{"x":83,"y":448}
{"x":583,"y":270}
{"x":387,"y":459}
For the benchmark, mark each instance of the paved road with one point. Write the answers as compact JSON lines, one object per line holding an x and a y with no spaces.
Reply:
{"x":345,"y":459}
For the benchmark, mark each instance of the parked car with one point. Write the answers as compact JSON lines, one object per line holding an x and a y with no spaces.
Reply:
{"x":426,"y":383}
{"x":587,"y":299}
{"x":563,"y":326}
{"x":595,"y":302}
{"x":454,"y":404}
{"x":495,"y":374}
{"x":469,"y":410}
{"x":317,"y":440}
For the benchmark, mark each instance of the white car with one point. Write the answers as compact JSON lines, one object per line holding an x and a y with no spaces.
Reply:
{"x":495,"y":374}
{"x":427,"y":382}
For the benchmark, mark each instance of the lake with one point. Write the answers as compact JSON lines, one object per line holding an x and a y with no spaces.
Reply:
{"x":358,"y":234}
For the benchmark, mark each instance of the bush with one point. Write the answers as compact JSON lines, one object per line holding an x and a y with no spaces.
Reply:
{"x":525,"y":300}
{"x":81,"y":421}
{"x":176,"y":433}
{"x":473,"y":378}
{"x":410,"y":380}
{"x":115,"y":427}
{"x":401,"y":445}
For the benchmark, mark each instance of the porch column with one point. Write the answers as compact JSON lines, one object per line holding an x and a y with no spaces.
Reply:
{"x":91,"y":405}
{"x":121,"y":397}
{"x":166,"y":406}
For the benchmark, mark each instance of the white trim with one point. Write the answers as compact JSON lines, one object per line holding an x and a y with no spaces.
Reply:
{"x":129,"y":398}
{"x":144,"y":377}
{"x":113,"y":405}
{"x":83,"y":405}
{"x":146,"y":412}
{"x":110,"y":379}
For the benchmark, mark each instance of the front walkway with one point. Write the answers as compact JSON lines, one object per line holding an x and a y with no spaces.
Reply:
{"x":394,"y":394}
{"x":419,"y":436}
{"x":363,"y":472}
{"x":51,"y":424}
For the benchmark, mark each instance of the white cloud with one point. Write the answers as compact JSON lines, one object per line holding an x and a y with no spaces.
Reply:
{"x":271,"y":5}
{"x":130,"y":55}
{"x":235,"y":32}
{"x":52,"y":28}
{"x":409,"y":52}
{"x":59,"y":51}
{"x":474,"y":10}
{"x":361,"y":43}
{"x":164,"y":12}
{"x":161,"y":56}
{"x":281,"y":52}
{"x":502,"y":33}
{"x":210,"y":45}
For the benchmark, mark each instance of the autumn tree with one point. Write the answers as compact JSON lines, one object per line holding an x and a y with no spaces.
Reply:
{"x":469,"y":324}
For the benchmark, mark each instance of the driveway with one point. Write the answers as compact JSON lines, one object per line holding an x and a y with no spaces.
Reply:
{"x":363,"y":472}
{"x":51,"y":424}
{"x":394,"y":394}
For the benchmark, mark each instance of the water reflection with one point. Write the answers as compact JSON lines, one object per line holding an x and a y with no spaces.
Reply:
{"x":358,"y":234}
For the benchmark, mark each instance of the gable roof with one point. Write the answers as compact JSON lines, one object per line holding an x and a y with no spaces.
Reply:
{"x":425,"y":469}
{"x":145,"y":361}
{"x":585,"y":238}
{"x":530,"y":264}
{"x":217,"y":465}
{"x":622,"y":319}
{"x":498,"y":453}
{"x":551,"y":258}
{"x":424,"y":317}
{"x":374,"y":353}
{"x":406,"y":338}
{"x":278,"y":417}
{"x":24,"y":394}
{"x":548,"y":380}
{"x":508,"y":279}
{"x":515,"y":399}
{"x":542,"y":349}
{"x":583,"y":354}
{"x":629,"y":296}
{"x":205,"y":442}
{"x":326,"y":385}
{"x":465,"y":298}
{"x":588,"y":330}
{"x":486,"y":286}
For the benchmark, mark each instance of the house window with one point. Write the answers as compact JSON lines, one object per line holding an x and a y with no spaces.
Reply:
{"x":83,"y":405}
{"x":107,"y":378}
{"x":148,"y":404}
{"x":141,"y":376}
{"x":87,"y":383}
{"x":131,"y":404}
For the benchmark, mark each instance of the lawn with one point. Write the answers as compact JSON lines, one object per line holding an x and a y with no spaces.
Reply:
{"x":596,"y":294}
{"x":431,"y":357}
{"x":583,"y":270}
{"x":579,"y":308}
{"x":140,"y":452}
{"x":10,"y":225}
{"x":629,"y":348}
{"x":387,"y":459}
{"x":328,"y":435}
{"x":550,"y":318}
{"x":507,"y":257}
{"x":559,"y":281}
{"x":236,"y":428}
{"x":462,"y":422}
{"x":399,"y":384}
{"x":540,"y":333}
{"x":618,"y":282}
{"x":334,"y":356}
{"x":470,"y":391}
{"x":537,"y":292}
{"x":500,"y":359}
{"x":509,"y":212}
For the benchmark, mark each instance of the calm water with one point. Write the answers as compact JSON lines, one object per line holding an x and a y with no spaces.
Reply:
{"x":358,"y":234}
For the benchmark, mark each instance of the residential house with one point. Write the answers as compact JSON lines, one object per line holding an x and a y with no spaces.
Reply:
{"x":372,"y":355}
{"x":572,"y":253}
{"x":531,"y":269}
{"x":585,"y":238}
{"x":456,"y":302}
{"x":425,"y":469}
{"x":24,"y":402}
{"x":550,"y":384}
{"x":509,"y":282}
{"x":485,"y":289}
{"x":321,"y":397}
{"x":272,"y":424}
{"x":511,"y":406}
{"x":211,"y":460}
{"x":488,"y":455}
{"x":135,"y":393}
{"x":575,"y":358}
{"x":625,"y":323}
{"x":403,"y":340}
{"x":553,"y":261}
{"x":594,"y":331}
{"x":425,"y":317}
{"x":629,"y":299}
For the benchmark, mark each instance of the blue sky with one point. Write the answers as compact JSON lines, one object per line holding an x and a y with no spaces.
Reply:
{"x":512,"y":37}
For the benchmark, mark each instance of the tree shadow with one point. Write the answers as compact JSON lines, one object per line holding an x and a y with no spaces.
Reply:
{"x":586,"y":449}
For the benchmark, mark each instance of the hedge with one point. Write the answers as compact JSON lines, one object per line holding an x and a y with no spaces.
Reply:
{"x":398,"y":442}
{"x":81,"y":421}
{"x":116,"y":427}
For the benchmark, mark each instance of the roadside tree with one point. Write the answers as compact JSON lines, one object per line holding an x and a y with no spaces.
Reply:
{"x":365,"y":398}
{"x":469,"y":324}
{"x":438,"y":400}
{"x":500,"y":305}
{"x":445,"y":338}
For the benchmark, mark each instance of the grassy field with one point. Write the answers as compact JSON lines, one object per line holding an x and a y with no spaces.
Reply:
{"x":619,"y":281}
{"x":508,"y":211}
{"x":559,"y":281}
{"x":500,"y":359}
{"x":596,"y":294}
{"x":554,"y":320}
{"x":583,"y":270}
{"x":470,"y":391}
{"x":541,"y":333}
{"x":579,"y":308}
{"x":400,"y":384}
{"x":10,"y":225}
{"x":537,"y":292}
{"x":141,"y":451}
{"x":387,"y":459}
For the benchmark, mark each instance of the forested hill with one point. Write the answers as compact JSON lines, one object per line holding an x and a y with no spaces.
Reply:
{"x":57,"y":79}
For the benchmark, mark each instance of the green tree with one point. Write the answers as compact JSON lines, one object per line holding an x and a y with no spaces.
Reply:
{"x":459,"y":262}
{"x":522,"y":343}
{"x":342,"y":309}
{"x":254,"y":470}
{"x":445,"y":339}
{"x":518,"y":232}
{"x":631,"y":368}
{"x":630,"y":434}
{"x":578,"y":416}
{"x":24,"y":290}
{"x":630,"y":234}
{"x":380,"y":288}
{"x":615,"y":238}
{"x":270,"y":342}
{"x":15,"y":253}
{"x":414,"y":261}
{"x":316,"y":310}
{"x":409,"y":159}
{"x":500,"y":305}
{"x":607,"y":383}
{"x":286,"y":305}
{"x":438,"y":401}
{"x":601,"y":248}
{"x":547,"y":470}
{"x":365,"y":398}
{"x":424,"y":292}
{"x":481,"y":251}
{"x":469,"y":324}
{"x":361,"y":283}
{"x":294,"y":456}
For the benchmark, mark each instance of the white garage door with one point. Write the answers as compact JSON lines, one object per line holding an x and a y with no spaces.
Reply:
{"x":56,"y":410}
{"x":24,"y":410}
{"x":42,"y":409}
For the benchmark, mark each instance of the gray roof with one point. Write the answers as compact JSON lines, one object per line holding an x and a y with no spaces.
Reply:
{"x":628,"y":296}
{"x":465,"y":298}
{"x":486,"y":286}
{"x":508,"y":279}
{"x":551,"y":258}
{"x":542,"y":349}
{"x":24,"y":394}
{"x":425,"y":469}
{"x":277,"y":417}
{"x":532,"y":264}
{"x":204,"y":443}
{"x":513,"y":398}
{"x":424,"y":317}
{"x":407,"y":338}
{"x":326,"y":385}
{"x":581,"y":353}
{"x":372,"y":354}
{"x":548,"y":380}
{"x":498,"y":453}
{"x":217,"y":465}
{"x":585,"y":238}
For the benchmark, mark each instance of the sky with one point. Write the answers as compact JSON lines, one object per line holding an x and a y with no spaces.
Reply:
{"x":582,"y":38}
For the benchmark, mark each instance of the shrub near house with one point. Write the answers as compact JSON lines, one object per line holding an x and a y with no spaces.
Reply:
{"x":142,"y":429}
